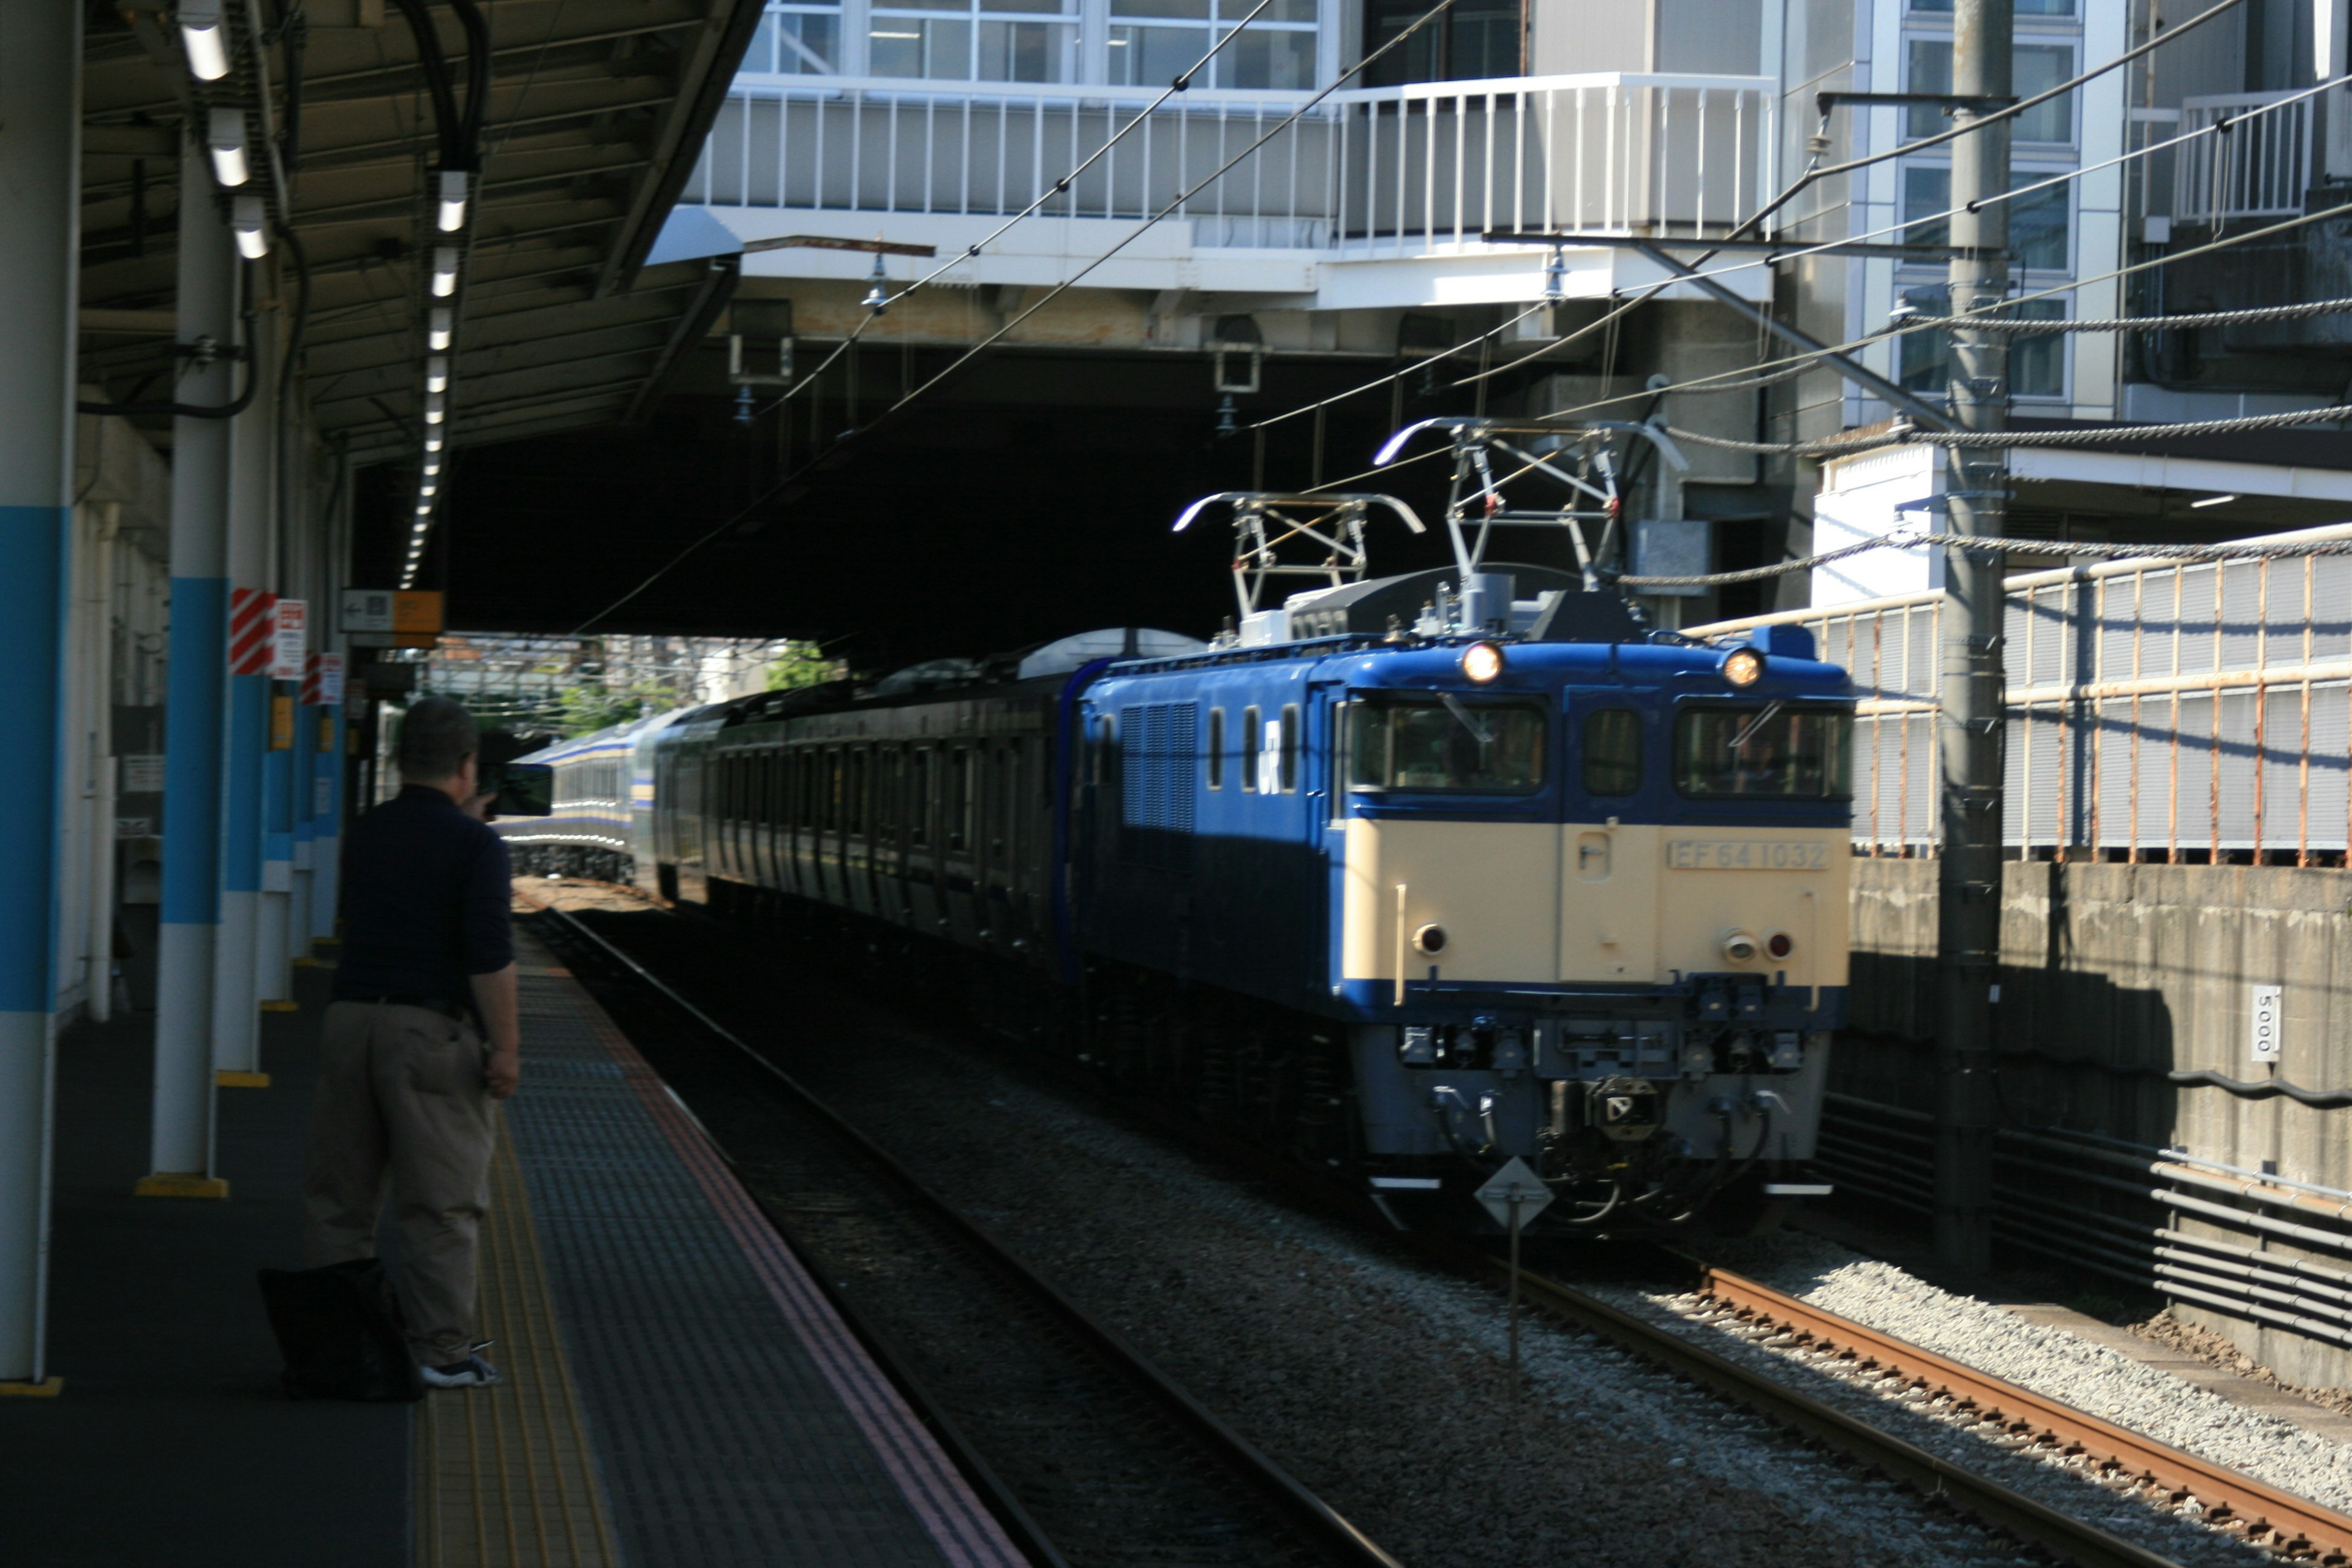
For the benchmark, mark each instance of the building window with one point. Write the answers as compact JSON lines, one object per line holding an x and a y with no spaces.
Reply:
{"x":1474,"y":40}
{"x":796,"y":40}
{"x":1152,"y":42}
{"x":2037,"y":364}
{"x":2039,"y":240}
{"x":2024,"y":8}
{"x":975,"y":40}
{"x":2033,"y":69}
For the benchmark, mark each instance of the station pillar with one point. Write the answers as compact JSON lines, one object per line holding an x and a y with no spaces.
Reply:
{"x":194,"y":714}
{"x":240,"y":960}
{"x":40,"y":238}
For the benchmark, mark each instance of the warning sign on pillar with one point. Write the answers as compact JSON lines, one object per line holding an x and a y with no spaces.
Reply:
{"x":322,"y":683}
{"x":251,"y":630}
{"x":289,"y":639}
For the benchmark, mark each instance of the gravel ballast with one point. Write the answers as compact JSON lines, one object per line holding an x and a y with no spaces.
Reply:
{"x":2048,"y":1360}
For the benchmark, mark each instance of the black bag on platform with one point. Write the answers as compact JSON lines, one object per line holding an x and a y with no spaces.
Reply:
{"x":340,"y":1331}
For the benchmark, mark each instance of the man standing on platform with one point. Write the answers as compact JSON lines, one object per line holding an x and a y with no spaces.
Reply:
{"x":423,"y":1035}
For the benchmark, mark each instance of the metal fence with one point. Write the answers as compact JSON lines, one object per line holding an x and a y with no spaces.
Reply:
{"x":1367,"y":172}
{"x":2157,"y":710}
{"x":2257,"y":167}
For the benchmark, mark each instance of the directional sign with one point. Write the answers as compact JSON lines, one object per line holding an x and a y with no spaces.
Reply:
{"x":1515,"y":1180}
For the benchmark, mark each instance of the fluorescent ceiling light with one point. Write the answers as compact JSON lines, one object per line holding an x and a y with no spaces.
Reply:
{"x":249,"y":221}
{"x":436,"y":374}
{"x":452,"y":216}
{"x":445,"y":271}
{"x":226,"y":142}
{"x":200,"y":36}
{"x":2213,"y":501}
{"x":436,"y":337}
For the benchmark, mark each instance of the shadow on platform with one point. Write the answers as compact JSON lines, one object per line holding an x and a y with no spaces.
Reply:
{"x":170,"y":1445}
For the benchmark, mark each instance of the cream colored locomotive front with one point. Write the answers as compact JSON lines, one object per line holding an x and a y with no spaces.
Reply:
{"x":1624,"y":904}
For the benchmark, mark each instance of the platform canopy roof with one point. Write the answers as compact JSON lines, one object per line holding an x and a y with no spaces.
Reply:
{"x":580,"y":119}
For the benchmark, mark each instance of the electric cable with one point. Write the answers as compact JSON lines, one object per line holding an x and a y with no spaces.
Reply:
{"x":1281,"y":125}
{"x":1996,"y":544}
{"x":1182,"y":82}
{"x":832,"y":455}
{"x":1985,"y":314}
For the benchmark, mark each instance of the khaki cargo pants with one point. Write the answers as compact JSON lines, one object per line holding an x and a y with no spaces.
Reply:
{"x":400,"y":1104}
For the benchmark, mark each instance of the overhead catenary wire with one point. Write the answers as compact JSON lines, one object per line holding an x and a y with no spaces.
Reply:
{"x":1973,"y":317}
{"x":1799,"y":250}
{"x":2285,"y":549}
{"x":782,"y":484}
{"x":1182,"y":82}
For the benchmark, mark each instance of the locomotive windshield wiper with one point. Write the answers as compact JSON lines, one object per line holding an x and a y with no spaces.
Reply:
{"x":1461,"y":711}
{"x":1762,"y":719}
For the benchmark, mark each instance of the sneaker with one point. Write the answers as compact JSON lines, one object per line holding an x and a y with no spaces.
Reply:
{"x":471,"y":1373}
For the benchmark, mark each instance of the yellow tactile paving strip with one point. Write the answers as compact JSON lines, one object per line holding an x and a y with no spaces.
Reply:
{"x":505,"y":1478}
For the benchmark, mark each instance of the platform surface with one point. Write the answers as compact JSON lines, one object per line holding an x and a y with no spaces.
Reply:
{"x":678,"y":1391}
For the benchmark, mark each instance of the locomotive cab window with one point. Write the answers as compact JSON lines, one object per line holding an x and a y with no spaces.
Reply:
{"x":1289,"y":745}
{"x":1613,"y":751}
{"x":1445,"y":743}
{"x":1253,"y":750}
{"x":1216,"y":748}
{"x":1771,"y":751}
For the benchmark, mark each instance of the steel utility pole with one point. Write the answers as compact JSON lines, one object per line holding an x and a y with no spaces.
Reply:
{"x":1969,"y":718}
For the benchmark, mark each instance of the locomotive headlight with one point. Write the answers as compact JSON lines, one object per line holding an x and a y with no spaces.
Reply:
{"x":1743,"y":668}
{"x":1739,"y":946}
{"x":1482,"y":661}
{"x":1780,"y":944}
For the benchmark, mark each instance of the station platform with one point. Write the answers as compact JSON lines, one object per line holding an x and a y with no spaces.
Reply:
{"x":678,"y":1390}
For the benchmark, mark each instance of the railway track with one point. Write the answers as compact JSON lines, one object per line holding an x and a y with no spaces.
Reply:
{"x":2258,"y":1513}
{"x":1088,"y":1453}
{"x":2155,"y":1473}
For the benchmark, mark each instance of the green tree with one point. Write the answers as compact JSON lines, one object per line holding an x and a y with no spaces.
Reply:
{"x":586,"y":709}
{"x":802,"y":664}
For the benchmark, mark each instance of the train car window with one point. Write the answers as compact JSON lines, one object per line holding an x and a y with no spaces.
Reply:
{"x":1216,"y":748}
{"x":858,"y":777}
{"x":1253,"y":751}
{"x":834,"y":768}
{"x":1289,"y":739}
{"x":1613,"y":751}
{"x":958,"y":801}
{"x":1416,"y":743}
{"x":1771,"y":751}
{"x":918,"y":797}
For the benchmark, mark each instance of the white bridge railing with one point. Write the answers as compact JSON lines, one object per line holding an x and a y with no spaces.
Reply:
{"x":1367,"y":172}
{"x":2157,"y":711}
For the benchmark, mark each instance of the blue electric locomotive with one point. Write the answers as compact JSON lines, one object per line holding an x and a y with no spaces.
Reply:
{"x":1411,"y":876}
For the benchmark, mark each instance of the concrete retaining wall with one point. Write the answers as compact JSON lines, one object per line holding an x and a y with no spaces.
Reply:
{"x":2112,"y":976}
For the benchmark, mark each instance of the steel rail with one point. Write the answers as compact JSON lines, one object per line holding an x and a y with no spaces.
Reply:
{"x":2261,"y":1513}
{"x":1326,"y":1525}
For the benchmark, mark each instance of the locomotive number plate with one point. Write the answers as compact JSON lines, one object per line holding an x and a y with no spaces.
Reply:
{"x":1745,"y":855}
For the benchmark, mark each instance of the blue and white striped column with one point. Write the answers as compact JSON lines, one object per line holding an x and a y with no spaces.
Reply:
{"x":240,"y":962}
{"x":40,"y":233}
{"x":195,"y":716}
{"x":327,"y":845}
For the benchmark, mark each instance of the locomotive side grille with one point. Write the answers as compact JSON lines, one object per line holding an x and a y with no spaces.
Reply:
{"x":1157,"y":741}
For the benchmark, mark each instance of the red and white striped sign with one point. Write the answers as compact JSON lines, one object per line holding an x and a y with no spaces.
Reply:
{"x":323,"y":686}
{"x":252,"y":630}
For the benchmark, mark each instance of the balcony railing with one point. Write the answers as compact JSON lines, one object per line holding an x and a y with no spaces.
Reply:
{"x":2257,"y":167}
{"x":1365,"y":172}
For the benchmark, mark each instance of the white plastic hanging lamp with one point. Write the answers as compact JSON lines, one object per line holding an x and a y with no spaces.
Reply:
{"x":202,"y":37}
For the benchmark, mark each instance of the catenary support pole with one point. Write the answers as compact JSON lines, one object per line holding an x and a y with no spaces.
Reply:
{"x":180,"y":1154}
{"x":40,"y":236}
{"x":1969,"y":686}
